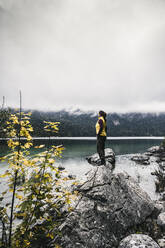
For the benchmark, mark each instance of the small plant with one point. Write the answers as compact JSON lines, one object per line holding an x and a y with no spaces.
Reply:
{"x":36,"y":184}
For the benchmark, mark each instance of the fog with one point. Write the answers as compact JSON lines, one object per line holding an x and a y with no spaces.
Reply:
{"x":88,"y":54}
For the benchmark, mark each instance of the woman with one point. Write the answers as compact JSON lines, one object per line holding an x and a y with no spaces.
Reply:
{"x":101,"y":132}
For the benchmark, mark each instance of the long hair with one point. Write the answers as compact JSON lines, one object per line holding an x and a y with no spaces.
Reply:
{"x":103,"y":114}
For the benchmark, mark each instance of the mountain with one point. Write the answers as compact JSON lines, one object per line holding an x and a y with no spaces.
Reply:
{"x":78,"y":123}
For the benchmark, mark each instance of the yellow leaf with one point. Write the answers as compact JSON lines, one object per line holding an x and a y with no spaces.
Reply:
{"x":49,"y":235}
{"x":76,"y":192}
{"x":35,"y":160}
{"x":27,"y":242}
{"x":26,"y":162}
{"x":75,"y":183}
{"x":68,"y":201}
{"x":70,"y":209}
{"x":29,"y":137}
{"x":41,"y":146}
{"x":37,"y":191}
{"x":27,"y":145}
{"x":30,"y":129}
{"x":20,"y":197}
{"x":4,"y":175}
{"x":58,"y":183}
{"x":51,"y":160}
{"x":65,"y":179}
{"x":3,"y":193}
{"x":57,"y":246}
{"x":73,"y":197}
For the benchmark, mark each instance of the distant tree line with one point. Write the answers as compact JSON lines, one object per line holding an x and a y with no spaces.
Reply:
{"x":83,"y":125}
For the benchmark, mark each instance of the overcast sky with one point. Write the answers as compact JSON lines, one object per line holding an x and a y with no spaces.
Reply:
{"x":87,"y":54}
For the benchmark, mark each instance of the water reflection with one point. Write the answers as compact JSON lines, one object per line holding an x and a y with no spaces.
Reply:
{"x":73,"y":158}
{"x":140,"y":173}
{"x":82,"y":148}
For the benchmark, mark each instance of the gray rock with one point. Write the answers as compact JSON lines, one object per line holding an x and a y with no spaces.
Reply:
{"x":61,"y":168}
{"x":162,"y":165}
{"x":71,"y":176}
{"x":159,"y":207}
{"x":161,"y":220}
{"x":162,"y":196}
{"x":138,"y":241}
{"x":160,"y":180}
{"x":158,"y":151}
{"x":148,"y":153}
{"x":109,"y":157}
{"x":161,"y":243}
{"x":141,"y":159}
{"x":109,"y":205}
{"x":154,"y":149}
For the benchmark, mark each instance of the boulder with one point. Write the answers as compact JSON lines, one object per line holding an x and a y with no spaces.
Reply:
{"x":138,"y":241}
{"x":159,"y":207}
{"x":161,"y":220}
{"x":61,"y":168}
{"x":160,"y":180}
{"x":109,"y":205}
{"x":72,"y":177}
{"x":154,"y":150}
{"x":159,"y":153}
{"x":161,"y":242}
{"x":162,"y":165}
{"x":162,"y":196}
{"x":141,"y":159}
{"x":109,"y":157}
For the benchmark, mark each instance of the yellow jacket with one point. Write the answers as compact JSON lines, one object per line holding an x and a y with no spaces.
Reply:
{"x":103,"y":132}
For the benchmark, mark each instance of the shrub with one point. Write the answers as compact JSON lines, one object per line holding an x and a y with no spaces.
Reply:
{"x":38,"y":197}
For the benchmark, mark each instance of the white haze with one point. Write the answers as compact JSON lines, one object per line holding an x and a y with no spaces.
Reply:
{"x":88,"y":54}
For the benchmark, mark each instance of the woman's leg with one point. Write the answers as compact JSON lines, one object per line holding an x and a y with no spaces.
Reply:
{"x":100,"y":148}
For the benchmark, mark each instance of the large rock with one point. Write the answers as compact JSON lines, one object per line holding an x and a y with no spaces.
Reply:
{"x":154,"y":149}
{"x":141,"y":159}
{"x":138,"y":241}
{"x":161,"y":220}
{"x":162,"y":165}
{"x":161,"y":242}
{"x":158,"y":151}
{"x":109,"y":157}
{"x":159,"y":207}
{"x":108,"y":207}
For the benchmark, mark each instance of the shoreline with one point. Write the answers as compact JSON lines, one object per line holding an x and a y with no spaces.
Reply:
{"x":94,"y":138}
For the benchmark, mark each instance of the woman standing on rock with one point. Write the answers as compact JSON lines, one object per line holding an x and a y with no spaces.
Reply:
{"x":101,"y":132}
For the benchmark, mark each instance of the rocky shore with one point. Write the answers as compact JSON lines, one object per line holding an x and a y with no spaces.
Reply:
{"x":113,"y":211}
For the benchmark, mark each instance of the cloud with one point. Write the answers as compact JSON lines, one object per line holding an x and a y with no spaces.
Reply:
{"x":93,"y":54}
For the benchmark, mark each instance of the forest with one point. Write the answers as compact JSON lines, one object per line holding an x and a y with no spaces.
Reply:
{"x":83,"y":124}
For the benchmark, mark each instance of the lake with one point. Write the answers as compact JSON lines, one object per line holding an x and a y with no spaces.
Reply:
{"x":80,"y":147}
{"x":77,"y":149}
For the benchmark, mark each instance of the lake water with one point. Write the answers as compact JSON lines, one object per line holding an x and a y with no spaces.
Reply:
{"x":77,"y":149}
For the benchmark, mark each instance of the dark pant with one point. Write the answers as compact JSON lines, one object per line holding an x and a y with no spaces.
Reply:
{"x":101,"y":147}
